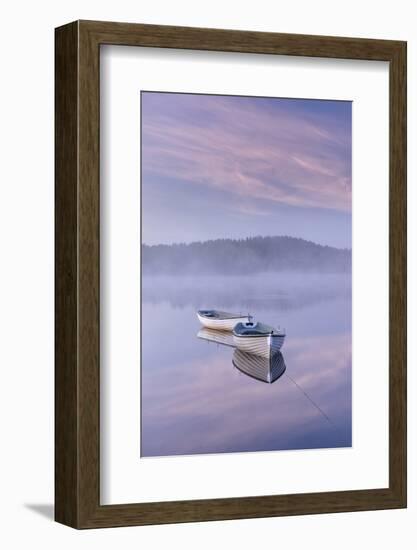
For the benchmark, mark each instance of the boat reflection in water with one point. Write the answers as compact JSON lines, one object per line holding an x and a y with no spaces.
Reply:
{"x":265,"y":369}
{"x":262,"y":368}
{"x":258,"y":367}
{"x":217,"y":336}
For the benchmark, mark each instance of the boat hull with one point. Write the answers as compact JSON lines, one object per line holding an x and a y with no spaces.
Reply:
{"x":221,"y":324}
{"x":264,"y":346}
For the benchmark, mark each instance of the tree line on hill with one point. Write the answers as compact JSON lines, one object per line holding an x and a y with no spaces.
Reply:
{"x":244,"y":256}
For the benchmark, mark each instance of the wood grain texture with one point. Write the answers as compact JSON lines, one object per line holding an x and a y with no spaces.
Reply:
{"x":78,"y":285}
{"x":398,"y":273}
{"x":66,"y":237}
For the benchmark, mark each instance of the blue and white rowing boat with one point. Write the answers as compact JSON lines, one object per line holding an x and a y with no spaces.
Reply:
{"x":258,"y":338}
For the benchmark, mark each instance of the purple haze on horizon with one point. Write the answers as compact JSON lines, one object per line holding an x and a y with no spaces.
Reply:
{"x":232,"y":167}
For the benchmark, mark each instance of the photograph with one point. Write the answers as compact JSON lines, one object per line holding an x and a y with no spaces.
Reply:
{"x":246,"y":268}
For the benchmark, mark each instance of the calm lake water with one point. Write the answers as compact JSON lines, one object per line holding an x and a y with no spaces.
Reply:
{"x":194,"y":400}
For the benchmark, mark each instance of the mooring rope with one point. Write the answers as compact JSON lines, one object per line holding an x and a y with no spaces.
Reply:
{"x":310,"y":399}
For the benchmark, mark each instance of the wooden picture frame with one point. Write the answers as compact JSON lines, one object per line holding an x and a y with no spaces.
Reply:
{"x":77,"y":370}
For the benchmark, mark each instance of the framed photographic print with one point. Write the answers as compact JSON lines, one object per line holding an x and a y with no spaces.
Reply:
{"x":230,"y":274}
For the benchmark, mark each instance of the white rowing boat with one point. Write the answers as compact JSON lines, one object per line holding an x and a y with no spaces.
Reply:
{"x":258,"y":338}
{"x":261,"y":368}
{"x":220,"y":320}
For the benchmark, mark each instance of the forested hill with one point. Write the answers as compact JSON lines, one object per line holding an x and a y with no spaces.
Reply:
{"x":251,"y":255}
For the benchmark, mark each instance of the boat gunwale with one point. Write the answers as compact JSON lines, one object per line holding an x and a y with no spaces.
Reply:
{"x":265,"y":335}
{"x":225,"y":317}
{"x":259,"y":334}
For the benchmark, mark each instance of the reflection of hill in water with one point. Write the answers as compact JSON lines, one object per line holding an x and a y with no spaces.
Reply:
{"x":286,"y":292}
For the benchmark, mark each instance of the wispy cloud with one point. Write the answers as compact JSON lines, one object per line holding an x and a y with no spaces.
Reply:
{"x":271,"y":150}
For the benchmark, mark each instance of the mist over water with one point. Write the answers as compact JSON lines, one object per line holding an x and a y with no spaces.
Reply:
{"x":289,"y":290}
{"x":194,"y":400}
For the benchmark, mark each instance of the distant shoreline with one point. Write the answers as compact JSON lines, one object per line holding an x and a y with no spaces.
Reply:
{"x":260,"y":237}
{"x":245,"y":256}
